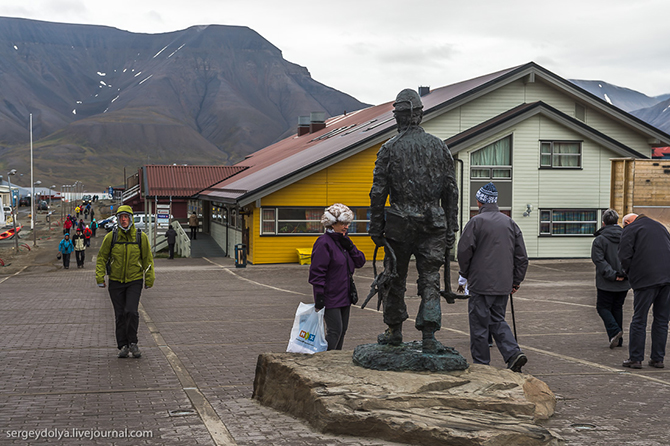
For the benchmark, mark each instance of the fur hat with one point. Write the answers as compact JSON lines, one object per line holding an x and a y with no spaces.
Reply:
{"x":335,"y":213}
{"x":487,"y":194}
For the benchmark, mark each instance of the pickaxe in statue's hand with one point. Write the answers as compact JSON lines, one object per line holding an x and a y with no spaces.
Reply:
{"x":449,"y":295}
{"x":382,"y":278}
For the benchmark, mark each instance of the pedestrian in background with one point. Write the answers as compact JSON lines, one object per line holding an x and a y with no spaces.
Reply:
{"x":87,"y":236}
{"x":644,"y":253}
{"x":131,"y":265}
{"x":611,"y":282}
{"x":79,"y":242}
{"x":334,"y":259}
{"x":193,"y":225}
{"x":171,"y":236}
{"x":94,"y":227}
{"x":492,"y":258}
{"x":67,"y":224}
{"x":65,"y":247}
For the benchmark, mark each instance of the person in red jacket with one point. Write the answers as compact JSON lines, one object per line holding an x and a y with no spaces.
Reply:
{"x":87,"y":236}
{"x":67,"y":225}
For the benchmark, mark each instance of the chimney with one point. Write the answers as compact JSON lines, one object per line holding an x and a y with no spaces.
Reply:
{"x":317,"y":121}
{"x":303,"y":125}
{"x":424,"y":91}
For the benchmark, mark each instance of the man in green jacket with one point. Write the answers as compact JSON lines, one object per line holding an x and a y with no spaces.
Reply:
{"x":126,"y":258}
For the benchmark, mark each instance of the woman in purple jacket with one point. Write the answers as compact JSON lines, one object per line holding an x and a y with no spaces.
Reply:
{"x":334,"y":258}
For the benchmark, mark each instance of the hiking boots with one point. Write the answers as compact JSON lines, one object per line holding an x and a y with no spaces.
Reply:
{"x":392,"y":336}
{"x":632,"y":364}
{"x":135,"y":350}
{"x":614,"y":342}
{"x":123,"y":352}
{"x":516,"y":362}
{"x":656,"y":364}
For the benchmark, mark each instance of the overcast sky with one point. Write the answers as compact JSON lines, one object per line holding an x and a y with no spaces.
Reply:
{"x":373,"y":49}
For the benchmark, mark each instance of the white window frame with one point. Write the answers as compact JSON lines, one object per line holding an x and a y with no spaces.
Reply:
{"x":278,"y":221}
{"x":553,"y":156}
{"x":551,"y":222}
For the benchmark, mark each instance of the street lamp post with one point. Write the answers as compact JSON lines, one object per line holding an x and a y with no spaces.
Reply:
{"x":33,"y":220}
{"x":11,"y":198}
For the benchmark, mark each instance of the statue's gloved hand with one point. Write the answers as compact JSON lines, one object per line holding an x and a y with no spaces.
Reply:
{"x":378,"y":239}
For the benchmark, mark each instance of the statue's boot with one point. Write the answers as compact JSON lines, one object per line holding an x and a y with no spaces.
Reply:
{"x":392,"y":335}
{"x":429,"y":344}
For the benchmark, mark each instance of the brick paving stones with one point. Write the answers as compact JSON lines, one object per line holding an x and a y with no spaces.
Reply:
{"x":59,"y":369}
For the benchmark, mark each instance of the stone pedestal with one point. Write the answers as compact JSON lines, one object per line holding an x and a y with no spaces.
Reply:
{"x":478,"y":406}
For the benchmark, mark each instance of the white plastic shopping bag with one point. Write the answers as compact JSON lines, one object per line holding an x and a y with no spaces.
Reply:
{"x":308,"y":334}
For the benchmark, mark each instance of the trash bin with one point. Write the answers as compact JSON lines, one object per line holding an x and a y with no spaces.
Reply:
{"x":240,"y":256}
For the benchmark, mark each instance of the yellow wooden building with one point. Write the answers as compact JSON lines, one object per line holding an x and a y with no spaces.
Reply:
{"x":545,"y":142}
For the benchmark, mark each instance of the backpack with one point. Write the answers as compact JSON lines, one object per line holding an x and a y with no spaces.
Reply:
{"x":138,"y":241}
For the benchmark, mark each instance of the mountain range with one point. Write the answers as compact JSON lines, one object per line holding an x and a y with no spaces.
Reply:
{"x":103,"y":99}
{"x":653,"y":110}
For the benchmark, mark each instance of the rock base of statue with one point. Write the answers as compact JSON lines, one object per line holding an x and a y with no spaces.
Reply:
{"x":477,"y":406}
{"x":408,"y":356}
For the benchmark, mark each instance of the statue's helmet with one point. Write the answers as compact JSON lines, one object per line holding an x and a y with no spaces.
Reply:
{"x":407,"y":100}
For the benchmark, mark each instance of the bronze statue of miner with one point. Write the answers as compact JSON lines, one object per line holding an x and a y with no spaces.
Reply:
{"x":415,"y":170}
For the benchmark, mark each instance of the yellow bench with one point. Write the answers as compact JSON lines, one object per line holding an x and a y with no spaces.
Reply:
{"x":304,"y":256}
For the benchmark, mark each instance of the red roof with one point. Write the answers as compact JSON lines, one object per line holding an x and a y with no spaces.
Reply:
{"x":660,"y":152}
{"x":356,"y":130}
{"x":184,"y":181}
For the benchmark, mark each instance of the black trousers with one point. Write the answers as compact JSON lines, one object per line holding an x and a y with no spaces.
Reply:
{"x":337,"y":321}
{"x":80,"y":256}
{"x":194,"y":232}
{"x":126,"y":301}
{"x":66,"y":260}
{"x":609,"y":305}
{"x":656,"y":298}
{"x":171,"y":250}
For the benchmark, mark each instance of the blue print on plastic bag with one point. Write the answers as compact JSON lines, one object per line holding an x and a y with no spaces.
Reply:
{"x":308,"y":333}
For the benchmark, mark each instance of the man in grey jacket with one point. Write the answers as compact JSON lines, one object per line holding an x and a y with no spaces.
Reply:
{"x":492,"y":257}
{"x":611,"y":282}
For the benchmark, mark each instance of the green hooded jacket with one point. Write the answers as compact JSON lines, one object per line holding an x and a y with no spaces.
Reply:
{"x":127,"y":265}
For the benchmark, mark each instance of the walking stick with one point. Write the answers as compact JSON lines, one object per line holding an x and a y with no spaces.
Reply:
{"x":511,"y":304}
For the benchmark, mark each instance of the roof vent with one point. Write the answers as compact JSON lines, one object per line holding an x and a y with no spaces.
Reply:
{"x":424,"y":91}
{"x":317,"y":121}
{"x":303,"y":125}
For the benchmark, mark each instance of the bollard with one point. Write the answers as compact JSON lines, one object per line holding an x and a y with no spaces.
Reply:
{"x":240,"y":256}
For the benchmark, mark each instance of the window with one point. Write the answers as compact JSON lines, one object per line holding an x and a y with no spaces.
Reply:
{"x":492,"y":163}
{"x":219,"y":213}
{"x":568,"y":221}
{"x":561,"y":154}
{"x":300,"y":221}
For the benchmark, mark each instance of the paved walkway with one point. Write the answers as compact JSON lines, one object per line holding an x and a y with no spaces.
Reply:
{"x":205,"y":322}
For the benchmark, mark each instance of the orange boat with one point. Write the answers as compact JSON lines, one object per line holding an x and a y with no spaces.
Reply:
{"x":9,"y":234}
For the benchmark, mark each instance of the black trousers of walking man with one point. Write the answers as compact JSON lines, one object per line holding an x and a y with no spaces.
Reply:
{"x":126,"y":301}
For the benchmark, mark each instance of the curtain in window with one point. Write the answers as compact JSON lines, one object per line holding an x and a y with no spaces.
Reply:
{"x":566,"y":154}
{"x":312,"y":214}
{"x":496,"y":154}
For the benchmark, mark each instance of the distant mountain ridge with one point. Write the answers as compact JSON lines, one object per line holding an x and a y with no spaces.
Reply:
{"x":103,"y":99}
{"x":653,"y":110}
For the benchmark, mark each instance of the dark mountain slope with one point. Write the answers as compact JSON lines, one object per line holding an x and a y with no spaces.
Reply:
{"x":204,"y":95}
{"x":658,"y":115}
